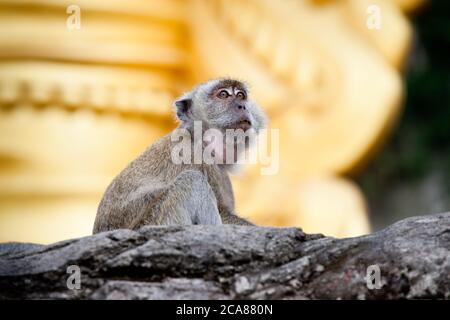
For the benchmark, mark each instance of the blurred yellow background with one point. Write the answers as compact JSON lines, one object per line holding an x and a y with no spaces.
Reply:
{"x":77,"y":104}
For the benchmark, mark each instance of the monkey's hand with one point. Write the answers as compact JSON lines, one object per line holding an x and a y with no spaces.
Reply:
{"x":230,"y":218}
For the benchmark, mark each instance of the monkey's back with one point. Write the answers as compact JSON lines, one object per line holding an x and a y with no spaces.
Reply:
{"x":145,"y":178}
{"x":147,"y":173}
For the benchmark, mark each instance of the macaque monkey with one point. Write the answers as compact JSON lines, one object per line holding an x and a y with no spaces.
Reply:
{"x":154,"y":190}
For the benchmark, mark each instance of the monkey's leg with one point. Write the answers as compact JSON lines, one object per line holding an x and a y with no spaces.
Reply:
{"x":230,"y":218}
{"x":188,"y":200}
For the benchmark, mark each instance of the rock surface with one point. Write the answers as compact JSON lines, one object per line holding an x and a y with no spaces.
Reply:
{"x":234,"y":262}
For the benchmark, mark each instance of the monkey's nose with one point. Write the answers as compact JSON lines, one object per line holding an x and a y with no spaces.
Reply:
{"x":241,"y":107}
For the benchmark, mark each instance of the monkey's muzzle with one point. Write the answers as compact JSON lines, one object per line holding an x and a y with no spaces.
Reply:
{"x":243,"y":124}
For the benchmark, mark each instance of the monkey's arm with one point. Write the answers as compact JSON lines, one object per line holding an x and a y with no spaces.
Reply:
{"x":226,"y":207}
{"x":230,"y":218}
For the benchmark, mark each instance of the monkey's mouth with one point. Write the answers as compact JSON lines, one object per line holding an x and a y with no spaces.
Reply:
{"x":243,"y":124}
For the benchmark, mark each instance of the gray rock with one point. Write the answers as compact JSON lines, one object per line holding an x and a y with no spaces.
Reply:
{"x":234,"y":262}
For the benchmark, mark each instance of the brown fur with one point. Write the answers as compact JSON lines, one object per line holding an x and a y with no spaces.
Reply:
{"x":154,"y":190}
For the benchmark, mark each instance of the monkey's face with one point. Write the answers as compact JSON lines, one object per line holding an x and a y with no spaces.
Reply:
{"x":227,"y":105}
{"x":222,"y":104}
{"x":228,"y":108}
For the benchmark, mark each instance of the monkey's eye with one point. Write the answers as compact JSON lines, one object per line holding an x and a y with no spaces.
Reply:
{"x":223,"y":94}
{"x":240,"y":95}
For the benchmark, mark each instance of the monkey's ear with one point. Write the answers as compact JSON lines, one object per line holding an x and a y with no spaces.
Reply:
{"x":183,"y":106}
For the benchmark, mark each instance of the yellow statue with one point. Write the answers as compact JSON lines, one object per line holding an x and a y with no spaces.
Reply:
{"x":84,"y":88}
